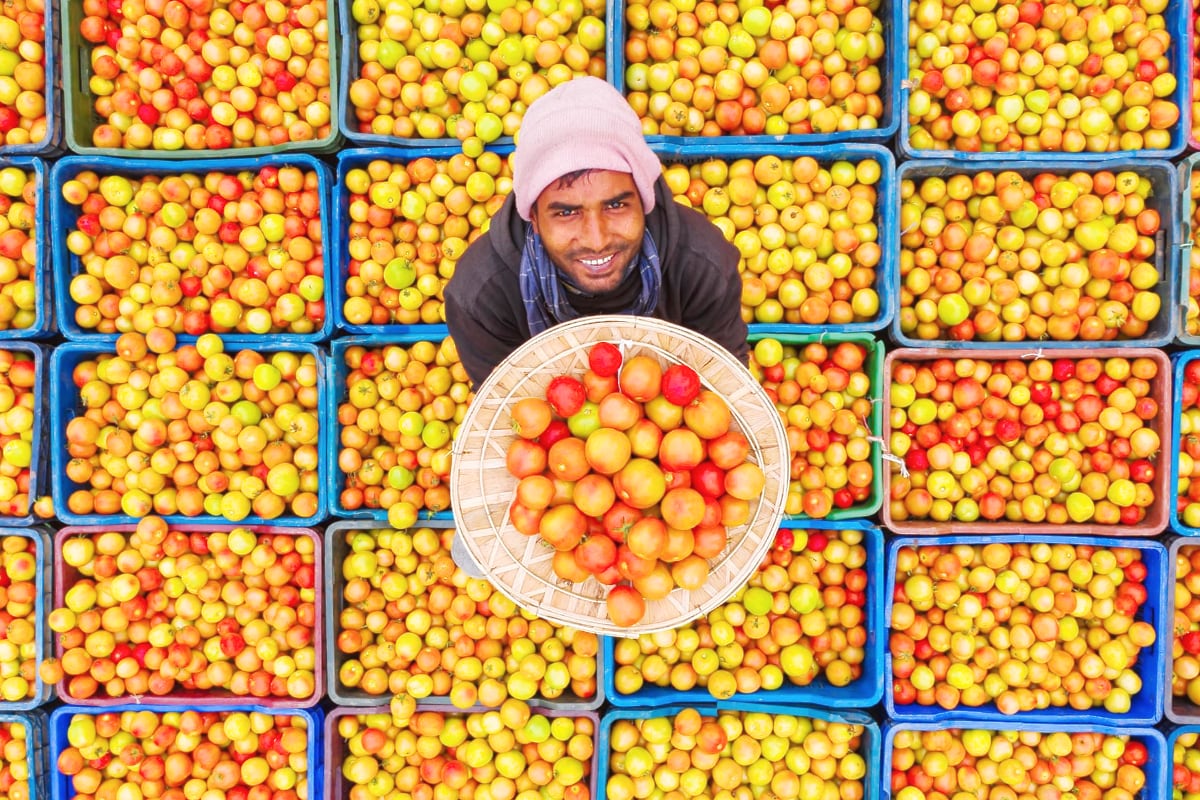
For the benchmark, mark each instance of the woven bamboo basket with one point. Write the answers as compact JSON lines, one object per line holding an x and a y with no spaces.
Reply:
{"x":481,"y":489}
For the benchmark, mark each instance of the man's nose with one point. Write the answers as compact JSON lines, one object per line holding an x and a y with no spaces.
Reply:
{"x":593,"y":231}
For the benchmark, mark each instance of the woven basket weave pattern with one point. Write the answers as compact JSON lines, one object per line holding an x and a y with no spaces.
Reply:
{"x":482,"y":490}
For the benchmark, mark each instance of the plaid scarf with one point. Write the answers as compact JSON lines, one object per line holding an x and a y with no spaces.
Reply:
{"x":545,"y":297}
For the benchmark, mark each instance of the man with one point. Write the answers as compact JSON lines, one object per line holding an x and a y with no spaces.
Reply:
{"x":590,"y":228}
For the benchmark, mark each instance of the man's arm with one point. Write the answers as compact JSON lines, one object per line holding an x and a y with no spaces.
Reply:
{"x":479,"y":348}
{"x":718,"y":314}
{"x":711,"y":291}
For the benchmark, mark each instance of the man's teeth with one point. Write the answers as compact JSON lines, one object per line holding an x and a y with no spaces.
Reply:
{"x":596,"y":262}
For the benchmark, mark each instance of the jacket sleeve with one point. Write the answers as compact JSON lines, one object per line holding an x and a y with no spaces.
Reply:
{"x":713,"y":304}
{"x":481,"y":313}
{"x":478,"y":349}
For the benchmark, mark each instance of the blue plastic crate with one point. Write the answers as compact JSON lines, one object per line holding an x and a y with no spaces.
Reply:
{"x":43,"y":692}
{"x":1147,"y":705}
{"x":356,"y":159}
{"x":40,"y":444}
{"x":863,"y":692}
{"x":874,"y":369}
{"x":338,"y":373}
{"x":871,"y":743}
{"x":335,"y":553}
{"x":43,"y":320}
{"x":1179,"y":363}
{"x":1183,"y":242}
{"x":892,"y":13}
{"x":37,"y":755}
{"x":64,"y":405}
{"x":53,"y":144}
{"x":1165,"y":199}
{"x":335,"y":785}
{"x":63,"y":216}
{"x":1178,"y":19}
{"x":1156,"y":767}
{"x":60,"y":720}
{"x":81,"y":117}
{"x":351,"y":67}
{"x":692,"y":150}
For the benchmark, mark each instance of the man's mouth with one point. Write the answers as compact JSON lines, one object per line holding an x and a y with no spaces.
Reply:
{"x":597,"y":264}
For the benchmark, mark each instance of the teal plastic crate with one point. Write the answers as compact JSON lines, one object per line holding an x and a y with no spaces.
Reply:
{"x":1147,"y":706}
{"x":1164,"y":199}
{"x":874,"y":369}
{"x":67,"y":265}
{"x":1173,"y":736}
{"x":81,"y":118}
{"x":65,"y":405}
{"x":864,"y":692}
{"x":335,"y":478}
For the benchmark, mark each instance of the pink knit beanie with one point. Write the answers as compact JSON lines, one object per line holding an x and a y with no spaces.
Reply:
{"x":583,"y":123}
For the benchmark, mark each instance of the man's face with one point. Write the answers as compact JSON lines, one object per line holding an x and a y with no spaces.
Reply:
{"x":593,"y":229}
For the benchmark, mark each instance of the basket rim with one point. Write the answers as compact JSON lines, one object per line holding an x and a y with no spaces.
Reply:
{"x":749,"y":542}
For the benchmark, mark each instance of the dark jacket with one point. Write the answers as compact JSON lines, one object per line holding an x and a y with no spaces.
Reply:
{"x":701,"y":287}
